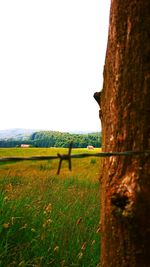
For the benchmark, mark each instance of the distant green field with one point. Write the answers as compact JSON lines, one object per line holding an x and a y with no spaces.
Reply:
{"x":46,"y":219}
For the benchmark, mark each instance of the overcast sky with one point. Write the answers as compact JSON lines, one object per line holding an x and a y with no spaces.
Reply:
{"x":51,"y":62}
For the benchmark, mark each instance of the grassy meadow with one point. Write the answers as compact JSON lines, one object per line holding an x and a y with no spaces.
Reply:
{"x":46,"y":219}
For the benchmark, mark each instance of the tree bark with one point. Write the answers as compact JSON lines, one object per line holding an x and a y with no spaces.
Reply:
{"x":125,"y":115}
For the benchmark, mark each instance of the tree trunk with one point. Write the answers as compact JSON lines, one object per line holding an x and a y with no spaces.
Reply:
{"x":125,"y":115}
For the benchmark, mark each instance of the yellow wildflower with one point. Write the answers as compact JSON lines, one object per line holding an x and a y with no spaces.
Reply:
{"x":6,"y":225}
{"x":56,"y":249}
{"x":80,"y":255}
{"x":9,"y":188}
{"x":48,"y":208}
{"x":21,"y":264}
{"x":24,"y":226}
{"x":33,"y":230}
{"x":93,"y":242}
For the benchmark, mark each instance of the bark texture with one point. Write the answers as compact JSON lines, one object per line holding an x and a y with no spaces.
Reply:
{"x":125,"y":114}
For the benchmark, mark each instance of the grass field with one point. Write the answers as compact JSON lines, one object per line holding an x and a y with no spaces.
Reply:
{"x":46,"y":219}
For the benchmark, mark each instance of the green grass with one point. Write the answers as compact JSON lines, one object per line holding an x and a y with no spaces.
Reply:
{"x":46,"y":219}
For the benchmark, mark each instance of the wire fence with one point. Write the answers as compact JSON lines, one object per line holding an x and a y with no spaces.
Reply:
{"x":70,"y":156}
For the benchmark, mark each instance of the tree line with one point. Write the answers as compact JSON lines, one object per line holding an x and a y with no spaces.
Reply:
{"x":55,"y":139}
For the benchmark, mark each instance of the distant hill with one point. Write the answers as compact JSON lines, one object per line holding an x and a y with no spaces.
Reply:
{"x":37,"y":138}
{"x":16,"y":133}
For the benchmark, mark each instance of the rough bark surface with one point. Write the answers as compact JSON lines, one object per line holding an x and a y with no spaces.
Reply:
{"x":125,"y":114}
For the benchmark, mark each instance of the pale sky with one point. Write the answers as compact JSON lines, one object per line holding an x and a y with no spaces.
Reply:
{"x":52,"y":54}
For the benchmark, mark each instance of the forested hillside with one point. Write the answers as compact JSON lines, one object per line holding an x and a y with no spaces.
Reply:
{"x":55,"y":139}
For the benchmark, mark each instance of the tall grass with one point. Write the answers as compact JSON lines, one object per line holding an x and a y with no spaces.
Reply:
{"x":49,"y":220}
